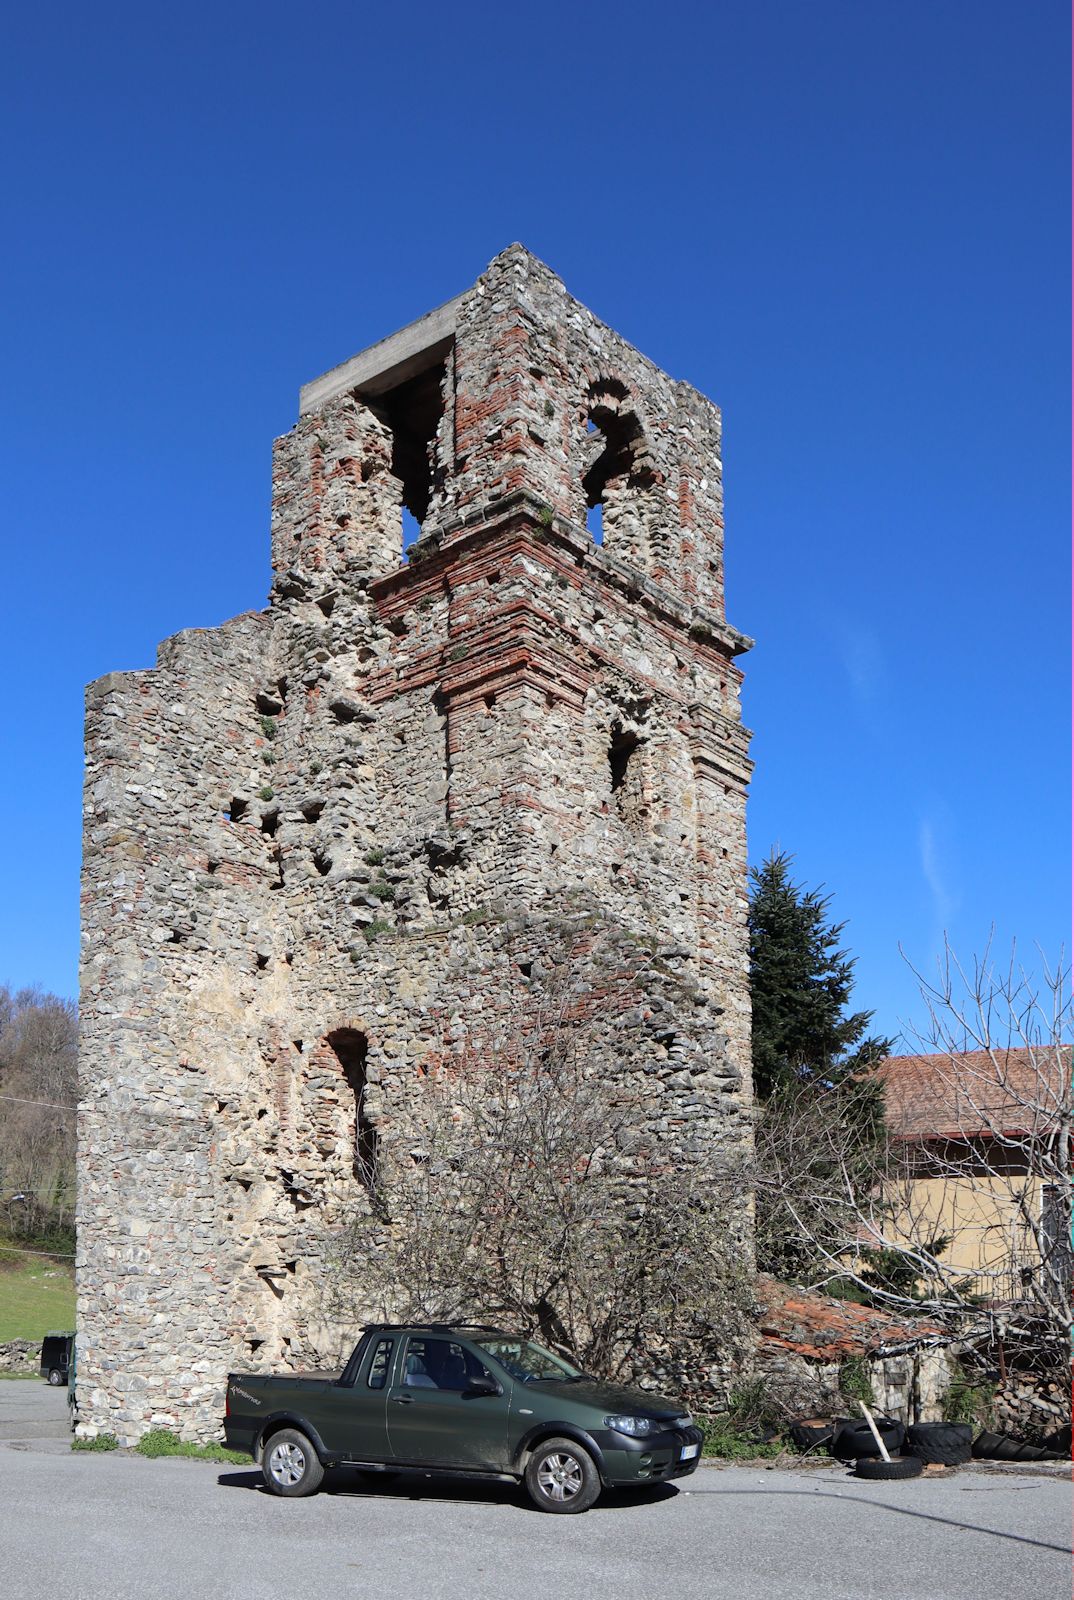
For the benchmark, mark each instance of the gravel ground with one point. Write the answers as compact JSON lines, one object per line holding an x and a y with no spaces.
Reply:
{"x":96,"y":1526}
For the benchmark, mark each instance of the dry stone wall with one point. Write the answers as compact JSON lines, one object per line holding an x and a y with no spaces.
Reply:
{"x":314,"y":835}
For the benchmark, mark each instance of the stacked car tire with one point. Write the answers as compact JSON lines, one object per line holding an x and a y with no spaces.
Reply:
{"x":948,"y":1444}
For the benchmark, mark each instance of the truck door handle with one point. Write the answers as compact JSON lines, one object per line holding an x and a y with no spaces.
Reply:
{"x":401,"y":1399}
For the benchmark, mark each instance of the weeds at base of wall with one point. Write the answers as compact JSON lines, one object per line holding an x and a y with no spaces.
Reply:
{"x":746,"y":1431}
{"x":723,"y":1440}
{"x":969,"y":1402}
{"x":162,"y":1442}
{"x":103,"y":1441}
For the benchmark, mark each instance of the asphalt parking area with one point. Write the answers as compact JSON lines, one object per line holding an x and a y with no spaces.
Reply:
{"x":96,"y":1526}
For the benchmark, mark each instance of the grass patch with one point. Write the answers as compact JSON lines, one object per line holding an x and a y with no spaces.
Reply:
{"x":744,"y":1432}
{"x":19,"y":1377}
{"x":162,"y":1442}
{"x":103,"y":1441}
{"x":723,"y":1441}
{"x":36,"y":1296}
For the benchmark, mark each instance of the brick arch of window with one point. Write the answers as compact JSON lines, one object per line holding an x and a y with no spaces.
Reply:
{"x":351,"y":1050}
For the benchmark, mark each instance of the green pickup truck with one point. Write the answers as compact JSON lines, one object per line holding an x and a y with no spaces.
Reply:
{"x":453,"y":1399}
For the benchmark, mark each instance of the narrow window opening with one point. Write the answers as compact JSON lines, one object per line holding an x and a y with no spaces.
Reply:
{"x":622,"y":748}
{"x":312,"y":810}
{"x":211,"y":866}
{"x":269,"y":704}
{"x":413,"y":410}
{"x":351,"y":1050}
{"x":262,"y":961}
{"x":254,"y":1345}
{"x":526,"y":968}
{"x":621,"y":467}
{"x":270,"y":821}
{"x":326,"y":604}
{"x":237,"y":809}
{"x":322,"y":862}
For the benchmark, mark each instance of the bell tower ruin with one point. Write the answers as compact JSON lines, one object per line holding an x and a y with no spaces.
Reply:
{"x":306,"y":830}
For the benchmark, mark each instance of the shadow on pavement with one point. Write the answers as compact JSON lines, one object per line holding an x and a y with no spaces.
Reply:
{"x":902,"y":1511}
{"x":416,"y":1486}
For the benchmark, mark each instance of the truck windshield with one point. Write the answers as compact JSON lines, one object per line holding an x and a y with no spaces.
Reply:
{"x":527,"y":1361}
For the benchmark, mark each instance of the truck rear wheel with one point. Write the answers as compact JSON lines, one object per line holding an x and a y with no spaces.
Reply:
{"x":289,"y":1464}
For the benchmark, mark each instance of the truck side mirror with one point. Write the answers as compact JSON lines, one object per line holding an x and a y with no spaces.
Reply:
{"x":479,"y":1386}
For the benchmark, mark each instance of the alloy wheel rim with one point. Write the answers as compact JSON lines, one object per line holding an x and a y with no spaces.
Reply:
{"x":287,"y":1463}
{"x":560,"y":1476}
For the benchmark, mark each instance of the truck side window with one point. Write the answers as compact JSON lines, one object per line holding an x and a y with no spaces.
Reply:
{"x":439,"y":1364}
{"x":379,"y":1364}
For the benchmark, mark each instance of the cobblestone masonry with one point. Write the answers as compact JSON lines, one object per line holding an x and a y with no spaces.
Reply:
{"x":312,"y":833}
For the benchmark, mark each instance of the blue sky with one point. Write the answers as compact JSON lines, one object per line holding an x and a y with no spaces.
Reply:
{"x":846,"y":223}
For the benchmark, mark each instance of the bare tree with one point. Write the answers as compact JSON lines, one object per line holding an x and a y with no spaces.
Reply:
{"x":38,"y":1091}
{"x":533,"y":1186}
{"x":979,"y":1145}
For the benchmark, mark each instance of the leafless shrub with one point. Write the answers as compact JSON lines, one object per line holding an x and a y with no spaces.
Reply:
{"x":534,"y":1187}
{"x":987,"y":1153}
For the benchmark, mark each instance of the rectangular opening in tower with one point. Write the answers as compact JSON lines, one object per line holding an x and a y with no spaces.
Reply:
{"x":412,"y":410}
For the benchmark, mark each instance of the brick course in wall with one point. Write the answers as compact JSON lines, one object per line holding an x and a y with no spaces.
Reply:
{"x":328,"y":821}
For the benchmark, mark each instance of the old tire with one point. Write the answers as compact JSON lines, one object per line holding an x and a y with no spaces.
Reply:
{"x":947,"y":1444}
{"x":55,"y":1377}
{"x":289,"y":1464}
{"x":854,"y":1440}
{"x":880,"y":1471}
{"x":562,"y":1477}
{"x":986,"y":1444}
{"x":1059,"y":1442}
{"x":807,"y":1436}
{"x":1001,"y":1447}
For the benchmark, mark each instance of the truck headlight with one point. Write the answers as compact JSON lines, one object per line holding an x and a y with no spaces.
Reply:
{"x":637,"y":1427}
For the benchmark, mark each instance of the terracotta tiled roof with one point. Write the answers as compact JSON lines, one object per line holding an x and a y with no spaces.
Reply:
{"x":974,"y":1092}
{"x":823,"y":1329}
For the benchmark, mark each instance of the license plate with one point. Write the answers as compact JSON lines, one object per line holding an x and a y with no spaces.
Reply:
{"x":688,"y":1452}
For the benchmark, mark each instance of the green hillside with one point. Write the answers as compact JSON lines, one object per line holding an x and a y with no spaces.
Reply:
{"x":36,"y":1294}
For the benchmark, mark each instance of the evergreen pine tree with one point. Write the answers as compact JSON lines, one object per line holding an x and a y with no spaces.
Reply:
{"x":800,"y":985}
{"x":820,"y":1118}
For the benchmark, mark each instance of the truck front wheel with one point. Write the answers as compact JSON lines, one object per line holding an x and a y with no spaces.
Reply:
{"x":289,"y":1464}
{"x":562,"y":1477}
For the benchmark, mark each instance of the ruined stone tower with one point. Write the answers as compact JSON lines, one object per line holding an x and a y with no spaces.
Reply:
{"x":306,"y":830}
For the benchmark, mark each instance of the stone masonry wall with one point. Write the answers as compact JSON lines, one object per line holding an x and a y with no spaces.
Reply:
{"x":314,"y":835}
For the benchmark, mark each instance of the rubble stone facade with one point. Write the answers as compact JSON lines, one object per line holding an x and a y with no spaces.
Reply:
{"x":312,"y":833}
